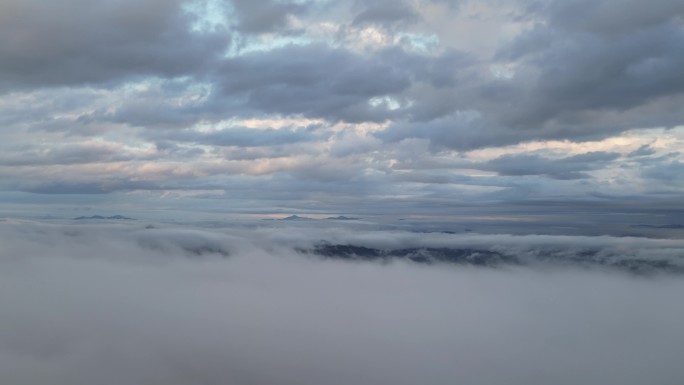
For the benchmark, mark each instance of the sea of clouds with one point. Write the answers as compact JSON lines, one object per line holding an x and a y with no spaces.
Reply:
{"x":134,"y":303}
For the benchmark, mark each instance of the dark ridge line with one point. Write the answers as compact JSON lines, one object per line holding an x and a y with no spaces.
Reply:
{"x":489,"y":258}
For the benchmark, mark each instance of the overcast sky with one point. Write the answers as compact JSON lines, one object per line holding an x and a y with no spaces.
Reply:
{"x":316,"y":107}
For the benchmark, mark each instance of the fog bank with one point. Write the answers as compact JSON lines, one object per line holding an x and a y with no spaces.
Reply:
{"x":125,"y":304}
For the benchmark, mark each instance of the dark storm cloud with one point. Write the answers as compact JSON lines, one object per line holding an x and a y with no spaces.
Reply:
{"x":76,"y":41}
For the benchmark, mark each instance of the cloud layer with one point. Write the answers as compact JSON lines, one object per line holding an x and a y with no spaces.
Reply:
{"x":347,"y":103}
{"x":166,"y":304}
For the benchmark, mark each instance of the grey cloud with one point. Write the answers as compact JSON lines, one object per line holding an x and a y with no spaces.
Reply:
{"x":315,"y":80}
{"x":613,"y":17}
{"x":584,"y":75}
{"x":350,"y":144}
{"x":265,"y":16}
{"x":449,"y":69}
{"x":164,"y":104}
{"x":169,"y":173}
{"x":246,"y":137}
{"x":667,"y":173}
{"x":174,"y":151}
{"x":177,"y":168}
{"x":103,"y":186}
{"x":125,"y":182}
{"x":460,"y":130}
{"x":451,"y":3}
{"x":565,"y":84}
{"x":76,"y":41}
{"x":63,"y":155}
{"x":573,"y":167}
{"x":644,"y":150}
{"x":88,"y":111}
{"x":385,"y":13}
{"x":431,"y":177}
{"x":261,"y":152}
{"x":64,"y":188}
{"x":312,"y":186}
{"x":125,"y":72}
{"x":572,"y":83}
{"x":46,"y":109}
{"x":303,"y":75}
{"x":332,"y":173}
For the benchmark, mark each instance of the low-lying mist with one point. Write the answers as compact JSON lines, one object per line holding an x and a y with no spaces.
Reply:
{"x":129,"y":304}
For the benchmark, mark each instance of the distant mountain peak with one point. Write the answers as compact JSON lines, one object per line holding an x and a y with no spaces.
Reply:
{"x":100,"y":217}
{"x":296,"y":218}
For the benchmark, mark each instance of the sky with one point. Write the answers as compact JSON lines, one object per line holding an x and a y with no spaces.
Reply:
{"x":513,"y":174}
{"x":415,"y":108}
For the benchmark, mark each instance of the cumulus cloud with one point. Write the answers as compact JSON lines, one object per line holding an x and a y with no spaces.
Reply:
{"x":126,"y":304}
